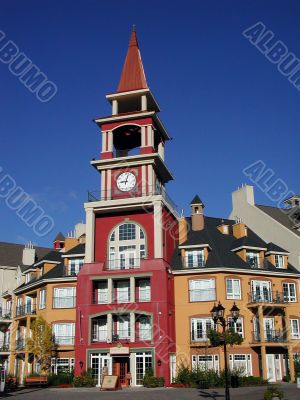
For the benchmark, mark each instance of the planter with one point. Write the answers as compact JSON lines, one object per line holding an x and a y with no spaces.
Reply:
{"x":64,"y":385}
{"x":178,"y":385}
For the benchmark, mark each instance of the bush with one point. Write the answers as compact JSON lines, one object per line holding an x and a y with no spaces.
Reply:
{"x":85,"y":379}
{"x":151,"y":381}
{"x":273,"y":391}
{"x":252,"y":381}
{"x":60,"y":379}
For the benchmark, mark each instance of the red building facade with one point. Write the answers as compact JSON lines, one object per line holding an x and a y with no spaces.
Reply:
{"x":125,"y":309}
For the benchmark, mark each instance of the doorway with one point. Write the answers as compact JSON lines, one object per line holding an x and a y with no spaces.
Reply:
{"x":121,"y":368}
{"x":271,"y":370}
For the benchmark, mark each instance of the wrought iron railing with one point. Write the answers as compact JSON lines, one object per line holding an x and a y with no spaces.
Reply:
{"x":5,"y":314}
{"x":63,"y":340}
{"x":122,"y":263}
{"x":267,"y":296}
{"x":270,"y":336}
{"x":28,"y":309}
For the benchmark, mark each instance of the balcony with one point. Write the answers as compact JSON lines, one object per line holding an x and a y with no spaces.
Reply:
{"x":64,"y":302}
{"x":29,"y":309}
{"x":5,"y":315}
{"x":267,"y":297}
{"x":4,"y":346}
{"x":122,"y":264}
{"x":20,"y":344}
{"x":270,"y":336}
{"x":63,"y":340}
{"x":99,"y":195}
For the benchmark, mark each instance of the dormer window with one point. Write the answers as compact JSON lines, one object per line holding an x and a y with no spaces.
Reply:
{"x":279,"y":261}
{"x":253,"y":259}
{"x":194,"y":258}
{"x":74,"y":266}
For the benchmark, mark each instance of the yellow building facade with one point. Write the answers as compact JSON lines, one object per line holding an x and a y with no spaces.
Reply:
{"x":224,"y":261}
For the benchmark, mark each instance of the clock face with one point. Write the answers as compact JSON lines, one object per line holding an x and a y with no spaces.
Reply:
{"x":126,"y":181}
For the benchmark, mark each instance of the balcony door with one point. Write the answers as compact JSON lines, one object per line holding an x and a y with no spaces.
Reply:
{"x":269,"y":328}
{"x":127,"y":256}
{"x":261,"y":291}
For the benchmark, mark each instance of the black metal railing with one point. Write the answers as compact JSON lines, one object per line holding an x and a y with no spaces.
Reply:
{"x":64,"y":302}
{"x":63,"y":340}
{"x":5,"y":314}
{"x":20,"y":344}
{"x":4,"y":346}
{"x":28,"y":309}
{"x":202,"y":294}
{"x":270,"y":336}
{"x":257,"y":262}
{"x":193,"y":262}
{"x":122,"y":263}
{"x":114,"y":194}
{"x":267,"y":296}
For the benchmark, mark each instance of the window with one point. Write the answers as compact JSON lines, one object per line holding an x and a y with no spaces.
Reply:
{"x":261,"y":291}
{"x":127,"y":246}
{"x":62,"y":365}
{"x":289,"y":292}
{"x":144,"y":290}
{"x":42,"y":302}
{"x":236,"y":326}
{"x":295,"y":329}
{"x":202,"y":290}
{"x":28,"y":277}
{"x":122,"y":291}
{"x":194,"y":259}
{"x":101,"y":293}
{"x":200,"y":327}
{"x":99,"y":329}
{"x":64,"y":297}
{"x":74,"y":266}
{"x":205,"y":362}
{"x":241,"y":363}
{"x":233,"y":289}
{"x":123,"y":326}
{"x":64,"y":333}
{"x":253,"y":259}
{"x":145,"y":330}
{"x":279,"y":261}
{"x":143,"y":361}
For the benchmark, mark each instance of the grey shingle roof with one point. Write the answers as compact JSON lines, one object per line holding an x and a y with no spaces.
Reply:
{"x":59,"y":237}
{"x":11,"y":253}
{"x":196,"y":200}
{"x":79,"y":249}
{"x":221,"y":254}
{"x":274,"y":247}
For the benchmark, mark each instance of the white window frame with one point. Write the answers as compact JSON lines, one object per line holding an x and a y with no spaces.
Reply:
{"x":99,"y":331}
{"x":144,"y":290}
{"x":204,"y":323}
{"x":279,"y":261}
{"x":102,"y":293}
{"x":235,"y":293}
{"x":205,"y":362}
{"x":247,"y":359}
{"x":42,"y":299}
{"x":290,"y":298}
{"x":60,"y":300}
{"x":68,"y":328}
{"x":194,"y":258}
{"x":198,"y":292}
{"x":294,"y":333}
{"x":74,"y":265}
{"x":255,"y":256}
{"x":237,"y":326}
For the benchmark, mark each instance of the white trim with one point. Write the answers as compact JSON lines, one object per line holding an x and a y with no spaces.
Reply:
{"x":124,"y":116}
{"x":249,"y":248}
{"x":46,"y":261}
{"x":195,"y":246}
{"x":38,"y":283}
{"x":73,"y":255}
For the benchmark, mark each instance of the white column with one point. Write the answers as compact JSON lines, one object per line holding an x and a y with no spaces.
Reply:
{"x":109,"y":290}
{"x":114,"y":107}
{"x":110,"y":141}
{"x":132,"y":368}
{"x":144,"y":182}
{"x":144,"y":102}
{"x":108,"y":179}
{"x":132,"y":289}
{"x":143,"y":136}
{"x":109,"y":327}
{"x":161,"y":150}
{"x":103,"y":141}
{"x":103,"y":186}
{"x":90,"y":235}
{"x":158,"y":234}
{"x":132,"y":327}
{"x":150,"y":135}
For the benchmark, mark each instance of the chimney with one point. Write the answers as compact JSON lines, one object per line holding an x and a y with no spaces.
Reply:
{"x":197,"y":214}
{"x":223,"y":228}
{"x":28,"y":257}
{"x":239,"y":229}
{"x":182,"y":229}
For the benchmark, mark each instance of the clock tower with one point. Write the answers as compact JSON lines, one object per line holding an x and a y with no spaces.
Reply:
{"x":124,"y":300}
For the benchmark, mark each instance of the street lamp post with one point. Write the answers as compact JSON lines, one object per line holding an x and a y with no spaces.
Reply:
{"x":217,"y":314}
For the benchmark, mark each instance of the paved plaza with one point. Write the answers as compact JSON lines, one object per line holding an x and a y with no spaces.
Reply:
{"x":249,"y":393}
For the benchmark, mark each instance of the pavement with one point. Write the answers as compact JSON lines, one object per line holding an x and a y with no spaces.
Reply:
{"x":251,"y":393}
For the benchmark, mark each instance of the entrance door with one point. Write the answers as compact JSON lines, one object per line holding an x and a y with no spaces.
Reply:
{"x":271,"y":371}
{"x":98,"y":361}
{"x":121,"y":369}
{"x":278,"y":367}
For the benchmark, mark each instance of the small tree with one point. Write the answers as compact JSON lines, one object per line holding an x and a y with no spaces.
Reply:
{"x":41,"y":343}
{"x":231,"y":337}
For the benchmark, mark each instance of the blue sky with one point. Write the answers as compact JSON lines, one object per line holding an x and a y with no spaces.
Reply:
{"x":223,"y":102}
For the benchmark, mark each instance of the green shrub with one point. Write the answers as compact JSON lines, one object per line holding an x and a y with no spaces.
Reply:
{"x":85,"y":379}
{"x":184,"y":375}
{"x":151,"y":381}
{"x":252,"y":381}
{"x":273,"y":391}
{"x":60,"y":379}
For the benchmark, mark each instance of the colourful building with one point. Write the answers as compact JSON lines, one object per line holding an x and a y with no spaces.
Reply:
{"x":223,"y":260}
{"x":125,"y":310}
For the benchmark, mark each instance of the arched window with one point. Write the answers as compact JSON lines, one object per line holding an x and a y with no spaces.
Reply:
{"x":127,"y":245}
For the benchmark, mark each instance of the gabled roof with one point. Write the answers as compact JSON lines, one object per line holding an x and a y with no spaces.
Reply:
{"x":221,"y":245}
{"x":196,"y":200}
{"x":59,"y":237}
{"x":52,"y":256}
{"x":282,"y":215}
{"x":79,"y":249}
{"x":11,"y":254}
{"x":133,"y":75}
{"x":274,"y":248}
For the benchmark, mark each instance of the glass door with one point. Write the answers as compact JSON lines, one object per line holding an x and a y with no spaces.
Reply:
{"x":98,"y":362}
{"x":269,"y":329}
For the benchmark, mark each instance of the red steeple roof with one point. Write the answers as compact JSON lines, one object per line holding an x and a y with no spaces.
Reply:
{"x":133,"y":75}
